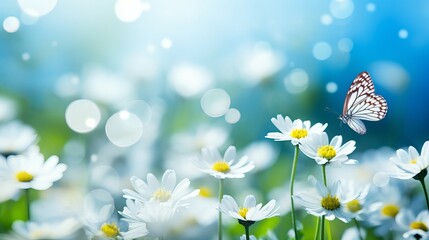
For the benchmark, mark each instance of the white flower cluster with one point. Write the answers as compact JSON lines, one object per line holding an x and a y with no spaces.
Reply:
{"x":152,"y":206}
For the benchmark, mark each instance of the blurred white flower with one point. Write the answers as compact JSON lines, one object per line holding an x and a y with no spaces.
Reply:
{"x":410,"y":164}
{"x":165,"y":192}
{"x":15,"y":138}
{"x":415,"y":227}
{"x":250,"y":211}
{"x":151,"y":218}
{"x":211,"y":162}
{"x":47,"y":230}
{"x":205,"y":202}
{"x":262,"y":154}
{"x":322,"y":151}
{"x":101,"y":224}
{"x":30,"y":170}
{"x":372,"y":168}
{"x":329,"y":202}
{"x":386,"y":204}
{"x":258,"y":62}
{"x":295,"y":131}
{"x":106,"y":87}
{"x":9,"y":188}
{"x":353,"y":234}
{"x":189,"y":79}
{"x":196,"y":138}
{"x":8,"y":109}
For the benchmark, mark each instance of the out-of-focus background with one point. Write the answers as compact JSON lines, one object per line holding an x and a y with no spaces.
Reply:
{"x":194,"y":73}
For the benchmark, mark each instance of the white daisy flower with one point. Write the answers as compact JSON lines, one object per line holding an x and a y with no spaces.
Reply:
{"x":15,"y":138}
{"x":250,"y":212}
{"x":211,"y":162}
{"x":410,"y":164}
{"x":294,"y":131}
{"x":322,"y":151}
{"x":47,"y":230}
{"x":329,"y":202}
{"x":358,"y":205}
{"x":30,"y":170}
{"x":101,"y":225}
{"x":388,"y":203}
{"x":9,"y":188}
{"x":416,"y":227}
{"x":165,"y":191}
{"x":151,"y":218}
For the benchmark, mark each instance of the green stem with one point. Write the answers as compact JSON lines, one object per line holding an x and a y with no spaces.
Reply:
{"x":324,"y":175}
{"x":220,"y":213}
{"x":422,"y":181}
{"x":322,"y":234}
{"x":328,"y":229}
{"x":292,"y":180}
{"x":316,"y":236}
{"x":28,"y":202}
{"x":328,"y":225}
{"x":246,"y":228}
{"x":358,"y":228}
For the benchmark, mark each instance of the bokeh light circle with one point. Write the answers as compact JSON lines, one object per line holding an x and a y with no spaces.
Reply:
{"x":326,"y":19}
{"x":82,"y":115}
{"x":297,"y":81}
{"x":370,"y":7}
{"x":129,"y":10}
{"x":341,"y":9}
{"x":232,"y":116}
{"x":215,"y":102}
{"x":345,"y":45}
{"x":331,"y":87}
{"x":25,"y":56}
{"x":124,"y":129}
{"x":11,"y":24}
{"x":166,"y":43}
{"x":322,"y":51}
{"x":403,"y":34}
{"x":37,"y":8}
{"x":391,"y":75}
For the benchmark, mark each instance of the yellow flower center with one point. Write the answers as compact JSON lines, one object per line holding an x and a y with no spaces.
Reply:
{"x":354,"y":206}
{"x":389,"y":210}
{"x":24,"y":176}
{"x":243,"y":211}
{"x":110,"y":230}
{"x":328,"y":152}
{"x":161,"y":195}
{"x":299,"y":133}
{"x":413,"y":161}
{"x":419,"y":225}
{"x":330,"y":202}
{"x":221,"y":166}
{"x":205,"y":192}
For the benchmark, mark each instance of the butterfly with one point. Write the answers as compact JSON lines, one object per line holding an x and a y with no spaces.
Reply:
{"x":361,"y":103}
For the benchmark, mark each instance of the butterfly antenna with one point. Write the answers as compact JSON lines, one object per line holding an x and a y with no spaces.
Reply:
{"x":332,"y":111}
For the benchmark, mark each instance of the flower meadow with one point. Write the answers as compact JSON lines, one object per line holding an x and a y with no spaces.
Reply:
{"x":219,"y":120}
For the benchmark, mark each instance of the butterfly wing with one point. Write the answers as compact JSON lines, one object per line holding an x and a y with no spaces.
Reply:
{"x":361,"y":87}
{"x":357,"y":125}
{"x":362,"y":104}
